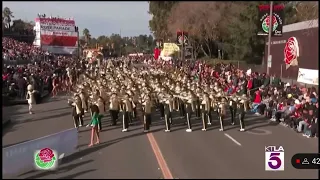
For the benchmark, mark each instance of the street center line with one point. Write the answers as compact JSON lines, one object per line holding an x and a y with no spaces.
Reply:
{"x":157,"y":152}
{"x":232,"y":139}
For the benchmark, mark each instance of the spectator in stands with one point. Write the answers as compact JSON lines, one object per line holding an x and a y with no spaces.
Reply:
{"x":22,"y":86}
{"x":256,"y":101}
{"x":31,"y":70}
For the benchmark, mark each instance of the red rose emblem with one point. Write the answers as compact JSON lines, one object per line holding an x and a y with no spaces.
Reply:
{"x":46,"y":155}
{"x":291,"y":50}
{"x":274,"y":20}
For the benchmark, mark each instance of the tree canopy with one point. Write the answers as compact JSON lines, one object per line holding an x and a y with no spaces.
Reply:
{"x":118,"y":45}
{"x":227,"y":27}
{"x":216,"y":29}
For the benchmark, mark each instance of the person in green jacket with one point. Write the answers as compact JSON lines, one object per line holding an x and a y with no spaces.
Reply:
{"x":275,"y":81}
{"x":94,"y":123}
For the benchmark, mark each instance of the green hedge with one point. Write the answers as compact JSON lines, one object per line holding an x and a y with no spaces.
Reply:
{"x":215,"y":61}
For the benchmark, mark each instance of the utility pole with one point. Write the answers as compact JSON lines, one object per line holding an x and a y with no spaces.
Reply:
{"x":78,"y":42}
{"x":182,"y":52}
{"x":120,"y":45}
{"x":269,"y":35}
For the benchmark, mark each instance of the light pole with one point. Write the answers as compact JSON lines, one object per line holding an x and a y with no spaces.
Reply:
{"x":269,"y":35}
{"x":120,"y":44}
{"x":78,"y":41}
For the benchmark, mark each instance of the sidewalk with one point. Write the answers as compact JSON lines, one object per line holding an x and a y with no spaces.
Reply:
{"x":17,"y":101}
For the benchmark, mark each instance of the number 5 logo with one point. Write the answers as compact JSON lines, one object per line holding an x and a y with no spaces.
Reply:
{"x":274,"y":161}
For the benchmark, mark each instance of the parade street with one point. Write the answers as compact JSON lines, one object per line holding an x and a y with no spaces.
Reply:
{"x":159,"y":155}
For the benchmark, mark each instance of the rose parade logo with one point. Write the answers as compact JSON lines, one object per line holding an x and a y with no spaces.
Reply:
{"x":46,"y":159}
{"x":266,"y":24}
{"x":266,"y":20}
{"x":291,"y":52}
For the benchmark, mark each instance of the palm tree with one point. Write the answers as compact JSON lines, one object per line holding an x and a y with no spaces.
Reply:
{"x":7,"y":16}
{"x":87,"y":36}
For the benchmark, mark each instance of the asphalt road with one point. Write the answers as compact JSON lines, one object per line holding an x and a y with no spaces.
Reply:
{"x":178,"y":154}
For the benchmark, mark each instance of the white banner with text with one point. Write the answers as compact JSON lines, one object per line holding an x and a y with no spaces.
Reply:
{"x":308,"y":76}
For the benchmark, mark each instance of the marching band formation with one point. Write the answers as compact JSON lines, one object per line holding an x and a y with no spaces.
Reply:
{"x":135,"y":92}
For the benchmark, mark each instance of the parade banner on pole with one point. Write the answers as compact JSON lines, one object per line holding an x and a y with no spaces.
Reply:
{"x":21,"y":156}
{"x":308,"y":76}
{"x":169,"y":49}
{"x":182,"y":38}
{"x":265,"y":20}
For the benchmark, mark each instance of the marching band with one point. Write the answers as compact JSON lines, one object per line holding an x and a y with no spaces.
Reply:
{"x":135,"y":92}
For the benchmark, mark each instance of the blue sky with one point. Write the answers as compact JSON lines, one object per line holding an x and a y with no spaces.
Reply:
{"x":101,"y":18}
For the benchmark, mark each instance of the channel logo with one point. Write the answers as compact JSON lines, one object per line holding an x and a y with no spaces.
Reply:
{"x":274,"y":158}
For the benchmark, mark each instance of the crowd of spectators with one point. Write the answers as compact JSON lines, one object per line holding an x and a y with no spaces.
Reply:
{"x":13,"y":50}
{"x":40,"y":74}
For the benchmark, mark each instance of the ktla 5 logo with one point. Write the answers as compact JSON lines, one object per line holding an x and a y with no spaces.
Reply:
{"x":274,"y":158}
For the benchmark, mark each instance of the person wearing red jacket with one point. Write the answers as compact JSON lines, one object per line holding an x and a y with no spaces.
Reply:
{"x":256,"y":102}
{"x":297,"y":116}
{"x":249,"y":84}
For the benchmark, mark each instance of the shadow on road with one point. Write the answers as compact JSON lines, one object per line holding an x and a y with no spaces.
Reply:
{"x":263,"y":125}
{"x":44,"y":118}
{"x":72,"y":176}
{"x":64,"y":169}
{"x":8,"y":128}
{"x":45,"y":111}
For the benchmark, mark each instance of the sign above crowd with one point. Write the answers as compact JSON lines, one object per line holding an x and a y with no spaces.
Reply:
{"x":265,"y":20}
{"x":56,"y":35}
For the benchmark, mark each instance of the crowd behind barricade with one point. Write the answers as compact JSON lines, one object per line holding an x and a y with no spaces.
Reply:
{"x":46,"y":74}
{"x":13,"y":51}
{"x":291,"y":105}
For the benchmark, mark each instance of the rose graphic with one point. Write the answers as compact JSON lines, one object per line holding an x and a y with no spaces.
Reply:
{"x":266,"y":24}
{"x":291,"y":51}
{"x":45,"y":159}
{"x":46,"y":155}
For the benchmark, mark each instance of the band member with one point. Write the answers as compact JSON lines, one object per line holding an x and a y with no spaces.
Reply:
{"x":147,"y":108}
{"x":101,"y":105}
{"x":190,"y":107}
{"x":213,"y":105}
{"x":222,"y":113}
{"x":126,"y":112}
{"x":161,"y":108}
{"x":167,"y":114}
{"x":161,"y":102}
{"x":114,"y":108}
{"x":135,"y":100}
{"x":31,"y":97}
{"x":182,"y":107}
{"x":198,"y":103}
{"x":233,"y":109}
{"x":169,"y":103}
{"x":205,"y":109}
{"x":84,"y":100}
{"x":77,"y":111}
{"x":242,"y":109}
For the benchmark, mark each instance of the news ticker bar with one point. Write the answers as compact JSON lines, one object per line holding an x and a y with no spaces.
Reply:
{"x":306,"y":161}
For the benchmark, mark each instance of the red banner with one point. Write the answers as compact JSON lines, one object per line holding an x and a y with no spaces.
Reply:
{"x":52,"y":40}
{"x":56,"y":31}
